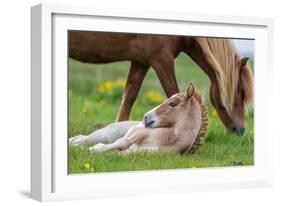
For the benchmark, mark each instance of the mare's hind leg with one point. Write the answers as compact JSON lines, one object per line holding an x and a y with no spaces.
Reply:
{"x":134,"y":80}
{"x":164,"y":67}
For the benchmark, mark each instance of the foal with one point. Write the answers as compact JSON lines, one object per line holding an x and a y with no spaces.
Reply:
{"x":179,"y":124}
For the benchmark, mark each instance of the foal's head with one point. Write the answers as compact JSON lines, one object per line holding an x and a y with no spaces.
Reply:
{"x":174,"y":109}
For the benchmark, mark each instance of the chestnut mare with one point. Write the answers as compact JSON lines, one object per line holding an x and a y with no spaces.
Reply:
{"x":179,"y":124}
{"x":231,"y":79}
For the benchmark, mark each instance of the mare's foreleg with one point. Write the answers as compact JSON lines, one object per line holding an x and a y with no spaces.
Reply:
{"x":134,"y":80}
{"x":163,"y":64}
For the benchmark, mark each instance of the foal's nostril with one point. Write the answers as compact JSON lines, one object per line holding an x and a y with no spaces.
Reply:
{"x":148,"y":121}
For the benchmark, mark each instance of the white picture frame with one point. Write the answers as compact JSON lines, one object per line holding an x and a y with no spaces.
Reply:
{"x":49,"y":178}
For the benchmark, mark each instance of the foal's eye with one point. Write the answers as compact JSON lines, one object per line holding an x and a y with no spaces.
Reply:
{"x":172,"y":104}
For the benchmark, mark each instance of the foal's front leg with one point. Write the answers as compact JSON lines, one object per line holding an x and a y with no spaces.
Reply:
{"x":120,"y":144}
{"x":133,"y":136}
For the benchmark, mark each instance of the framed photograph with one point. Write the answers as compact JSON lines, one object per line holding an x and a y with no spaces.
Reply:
{"x":137,"y":102}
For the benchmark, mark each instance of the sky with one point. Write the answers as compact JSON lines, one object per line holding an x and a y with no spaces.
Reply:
{"x":245,"y":47}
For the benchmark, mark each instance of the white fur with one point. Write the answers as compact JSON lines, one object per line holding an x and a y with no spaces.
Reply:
{"x":108,"y":134}
{"x":108,"y":137}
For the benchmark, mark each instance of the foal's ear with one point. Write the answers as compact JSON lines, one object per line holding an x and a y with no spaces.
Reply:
{"x":243,"y":61}
{"x":190,"y":91}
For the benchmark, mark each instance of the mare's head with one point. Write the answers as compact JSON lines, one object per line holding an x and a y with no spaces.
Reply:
{"x":231,"y":81}
{"x":232,"y":112}
{"x":174,"y":109}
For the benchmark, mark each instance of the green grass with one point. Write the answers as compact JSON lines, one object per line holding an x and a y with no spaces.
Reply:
{"x":90,"y":109}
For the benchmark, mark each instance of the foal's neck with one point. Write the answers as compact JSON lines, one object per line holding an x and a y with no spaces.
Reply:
{"x":190,"y":122}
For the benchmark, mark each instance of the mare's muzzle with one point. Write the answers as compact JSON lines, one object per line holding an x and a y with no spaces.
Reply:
{"x":236,"y":129}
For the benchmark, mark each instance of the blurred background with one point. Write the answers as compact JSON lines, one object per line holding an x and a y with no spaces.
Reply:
{"x":245,"y":47}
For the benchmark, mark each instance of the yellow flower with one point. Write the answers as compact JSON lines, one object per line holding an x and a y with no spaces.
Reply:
{"x":84,"y":110}
{"x":86,"y":102}
{"x":214,"y":113}
{"x":108,"y":86}
{"x":105,"y":86}
{"x":119,"y":83}
{"x":87,"y":165}
{"x":154,"y":96}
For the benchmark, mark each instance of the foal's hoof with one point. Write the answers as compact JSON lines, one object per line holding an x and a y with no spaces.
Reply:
{"x":100,"y":147}
{"x":73,"y":141}
{"x":78,"y":140}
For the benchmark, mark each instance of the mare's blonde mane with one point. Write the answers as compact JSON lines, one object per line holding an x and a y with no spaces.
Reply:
{"x":224,"y":59}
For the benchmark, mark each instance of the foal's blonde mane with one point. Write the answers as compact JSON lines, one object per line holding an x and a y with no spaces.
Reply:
{"x":202,"y":134}
{"x":224,"y":59}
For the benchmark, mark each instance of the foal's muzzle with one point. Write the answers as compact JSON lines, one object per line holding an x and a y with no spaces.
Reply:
{"x":148,"y":121}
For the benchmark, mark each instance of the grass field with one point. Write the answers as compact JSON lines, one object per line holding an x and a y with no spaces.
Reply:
{"x":95,"y":92}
